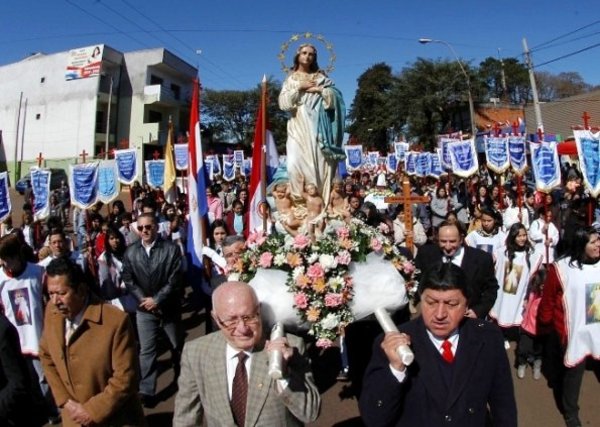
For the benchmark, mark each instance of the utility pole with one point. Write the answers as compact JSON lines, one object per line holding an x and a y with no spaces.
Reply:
{"x":17,"y":136}
{"x":536,"y":101}
{"x":503,"y":75}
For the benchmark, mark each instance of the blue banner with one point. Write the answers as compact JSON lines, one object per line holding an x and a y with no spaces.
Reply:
{"x":373,"y":157}
{"x":464,"y":158}
{"x":391,"y":162}
{"x":401,"y":149}
{"x":435,"y":164}
{"x":354,"y":157}
{"x":155,"y":172}
{"x":518,"y":156}
{"x":422,"y":166}
{"x":546,"y":168}
{"x":40,"y":186}
{"x":247,"y":169}
{"x":228,"y":167}
{"x":588,"y":149}
{"x":5,"y":206}
{"x":126,"y":165}
{"x":108,"y":184}
{"x":445,"y":153}
{"x":181,"y":156}
{"x":496,"y":153}
{"x":83,"y":182}
{"x":410,"y":163}
{"x":238,"y":157}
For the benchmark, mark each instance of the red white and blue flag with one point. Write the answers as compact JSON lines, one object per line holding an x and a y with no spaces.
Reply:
{"x":196,"y":183}
{"x":260,"y":149}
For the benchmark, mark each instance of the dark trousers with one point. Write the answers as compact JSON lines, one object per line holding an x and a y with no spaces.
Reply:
{"x":529,"y":348}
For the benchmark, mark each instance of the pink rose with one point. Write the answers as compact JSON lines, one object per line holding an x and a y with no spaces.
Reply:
{"x":324,"y":343}
{"x":408,"y":267}
{"x":315,"y":271}
{"x":333,"y":300}
{"x":376,"y":244}
{"x":266,"y":259}
{"x":301,"y":300}
{"x":301,"y":241}
{"x":343,"y":258}
{"x":343,"y":232}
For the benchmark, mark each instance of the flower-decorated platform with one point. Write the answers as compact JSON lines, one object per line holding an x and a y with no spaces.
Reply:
{"x":321,"y":284}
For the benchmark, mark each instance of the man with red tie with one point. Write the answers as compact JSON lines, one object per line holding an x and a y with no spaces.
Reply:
{"x":460,"y":375}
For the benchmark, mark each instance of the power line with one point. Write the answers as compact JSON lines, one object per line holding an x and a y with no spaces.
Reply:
{"x":568,"y":55}
{"x":569,"y":41}
{"x":533,"y":49}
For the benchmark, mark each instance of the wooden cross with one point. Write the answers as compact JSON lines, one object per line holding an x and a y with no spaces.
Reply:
{"x":497,"y":129}
{"x":407,"y":199}
{"x":540,"y":134}
{"x":39,"y":159}
{"x":83,"y":155}
{"x":156,"y":154}
{"x":586,"y":120}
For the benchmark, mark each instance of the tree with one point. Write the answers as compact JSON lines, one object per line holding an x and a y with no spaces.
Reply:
{"x":371,"y":114}
{"x":230,"y":116}
{"x":552,"y":87}
{"x":515,"y":78}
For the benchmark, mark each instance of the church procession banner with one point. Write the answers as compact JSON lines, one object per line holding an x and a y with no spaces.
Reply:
{"x":391,"y":162}
{"x":228,"y":167}
{"x":40,"y":187}
{"x":496,"y":153}
{"x":410,"y":162}
{"x":464,"y":158}
{"x":435,"y":164}
{"x":422,"y":164}
{"x":546,"y":168}
{"x":83,"y":183}
{"x":181,"y":156}
{"x":108,"y":183}
{"x":354,"y":157}
{"x":517,"y":154}
{"x":5,"y":205}
{"x":155,"y":172}
{"x":126,"y":165}
{"x":400,"y":148}
{"x":588,"y":150}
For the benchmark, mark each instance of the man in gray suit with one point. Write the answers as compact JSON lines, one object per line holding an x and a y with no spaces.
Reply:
{"x":212,"y":365}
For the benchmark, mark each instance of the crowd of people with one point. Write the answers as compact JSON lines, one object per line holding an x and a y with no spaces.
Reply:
{"x":89,"y":293}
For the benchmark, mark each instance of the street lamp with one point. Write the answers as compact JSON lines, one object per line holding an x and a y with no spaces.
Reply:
{"x":462,"y":68}
{"x":110,"y":91}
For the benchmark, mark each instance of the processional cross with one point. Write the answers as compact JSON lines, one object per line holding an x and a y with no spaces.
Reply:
{"x":407,"y":199}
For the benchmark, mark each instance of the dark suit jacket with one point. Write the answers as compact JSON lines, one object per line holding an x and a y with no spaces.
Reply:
{"x":478,"y":267}
{"x":481,"y":377}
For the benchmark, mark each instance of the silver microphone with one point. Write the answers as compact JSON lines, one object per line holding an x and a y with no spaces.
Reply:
{"x":387,"y":324}
{"x":276,"y":357}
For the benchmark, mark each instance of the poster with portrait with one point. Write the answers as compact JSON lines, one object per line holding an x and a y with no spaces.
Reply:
{"x":512,"y":277}
{"x":592,"y":303}
{"x":20,"y":303}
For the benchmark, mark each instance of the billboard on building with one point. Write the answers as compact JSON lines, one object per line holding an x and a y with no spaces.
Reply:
{"x":84,"y":62}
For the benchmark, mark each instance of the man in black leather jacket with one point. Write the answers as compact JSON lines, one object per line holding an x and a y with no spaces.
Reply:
{"x":152,"y":273}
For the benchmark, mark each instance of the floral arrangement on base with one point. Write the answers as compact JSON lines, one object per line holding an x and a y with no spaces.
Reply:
{"x":380,"y":192}
{"x":318,"y":270}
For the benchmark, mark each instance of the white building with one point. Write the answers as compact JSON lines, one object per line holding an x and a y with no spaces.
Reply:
{"x":57,"y":105}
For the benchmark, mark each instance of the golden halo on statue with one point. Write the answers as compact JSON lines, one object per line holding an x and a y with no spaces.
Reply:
{"x":302,"y":38}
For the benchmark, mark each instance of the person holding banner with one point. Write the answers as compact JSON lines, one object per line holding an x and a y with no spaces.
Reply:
{"x":315,"y":128}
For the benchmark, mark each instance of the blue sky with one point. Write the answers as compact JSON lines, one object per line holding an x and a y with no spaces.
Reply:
{"x":239,"y":39}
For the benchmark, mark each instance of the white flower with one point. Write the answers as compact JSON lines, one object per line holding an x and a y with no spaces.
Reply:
{"x":330,"y":321}
{"x":233,"y":277}
{"x":279,"y":260}
{"x":335,"y":283}
{"x":313,"y":258}
{"x":327,"y":262}
{"x":297,"y":272}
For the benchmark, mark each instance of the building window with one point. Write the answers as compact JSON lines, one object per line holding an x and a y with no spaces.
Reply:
{"x":154,"y":80}
{"x":43,"y":79}
{"x":38,"y":116}
{"x":100,"y":122}
{"x":154,"y":116}
{"x":176,"y":89}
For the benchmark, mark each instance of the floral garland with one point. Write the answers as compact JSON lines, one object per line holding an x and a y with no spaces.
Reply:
{"x":381,"y":192}
{"x":318,"y":270}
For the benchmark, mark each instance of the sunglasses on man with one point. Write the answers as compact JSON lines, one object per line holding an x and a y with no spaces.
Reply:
{"x":146,"y":227}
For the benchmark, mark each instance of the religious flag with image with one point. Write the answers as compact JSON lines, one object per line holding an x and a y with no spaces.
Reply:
{"x":391,"y":162}
{"x":354,"y":157}
{"x":422,"y":165}
{"x":196,"y":182}
{"x":155,"y":172}
{"x":464,"y":158}
{"x":588,"y":149}
{"x":5,"y":205}
{"x":496,"y":153}
{"x":410,"y":162}
{"x":546,"y":167}
{"x":435,"y":164}
{"x":181,"y":156}
{"x":263,"y":151}
{"x":400,"y":148}
{"x":238,"y":157}
{"x":83,"y":184}
{"x":40,"y":187}
{"x":517,"y":154}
